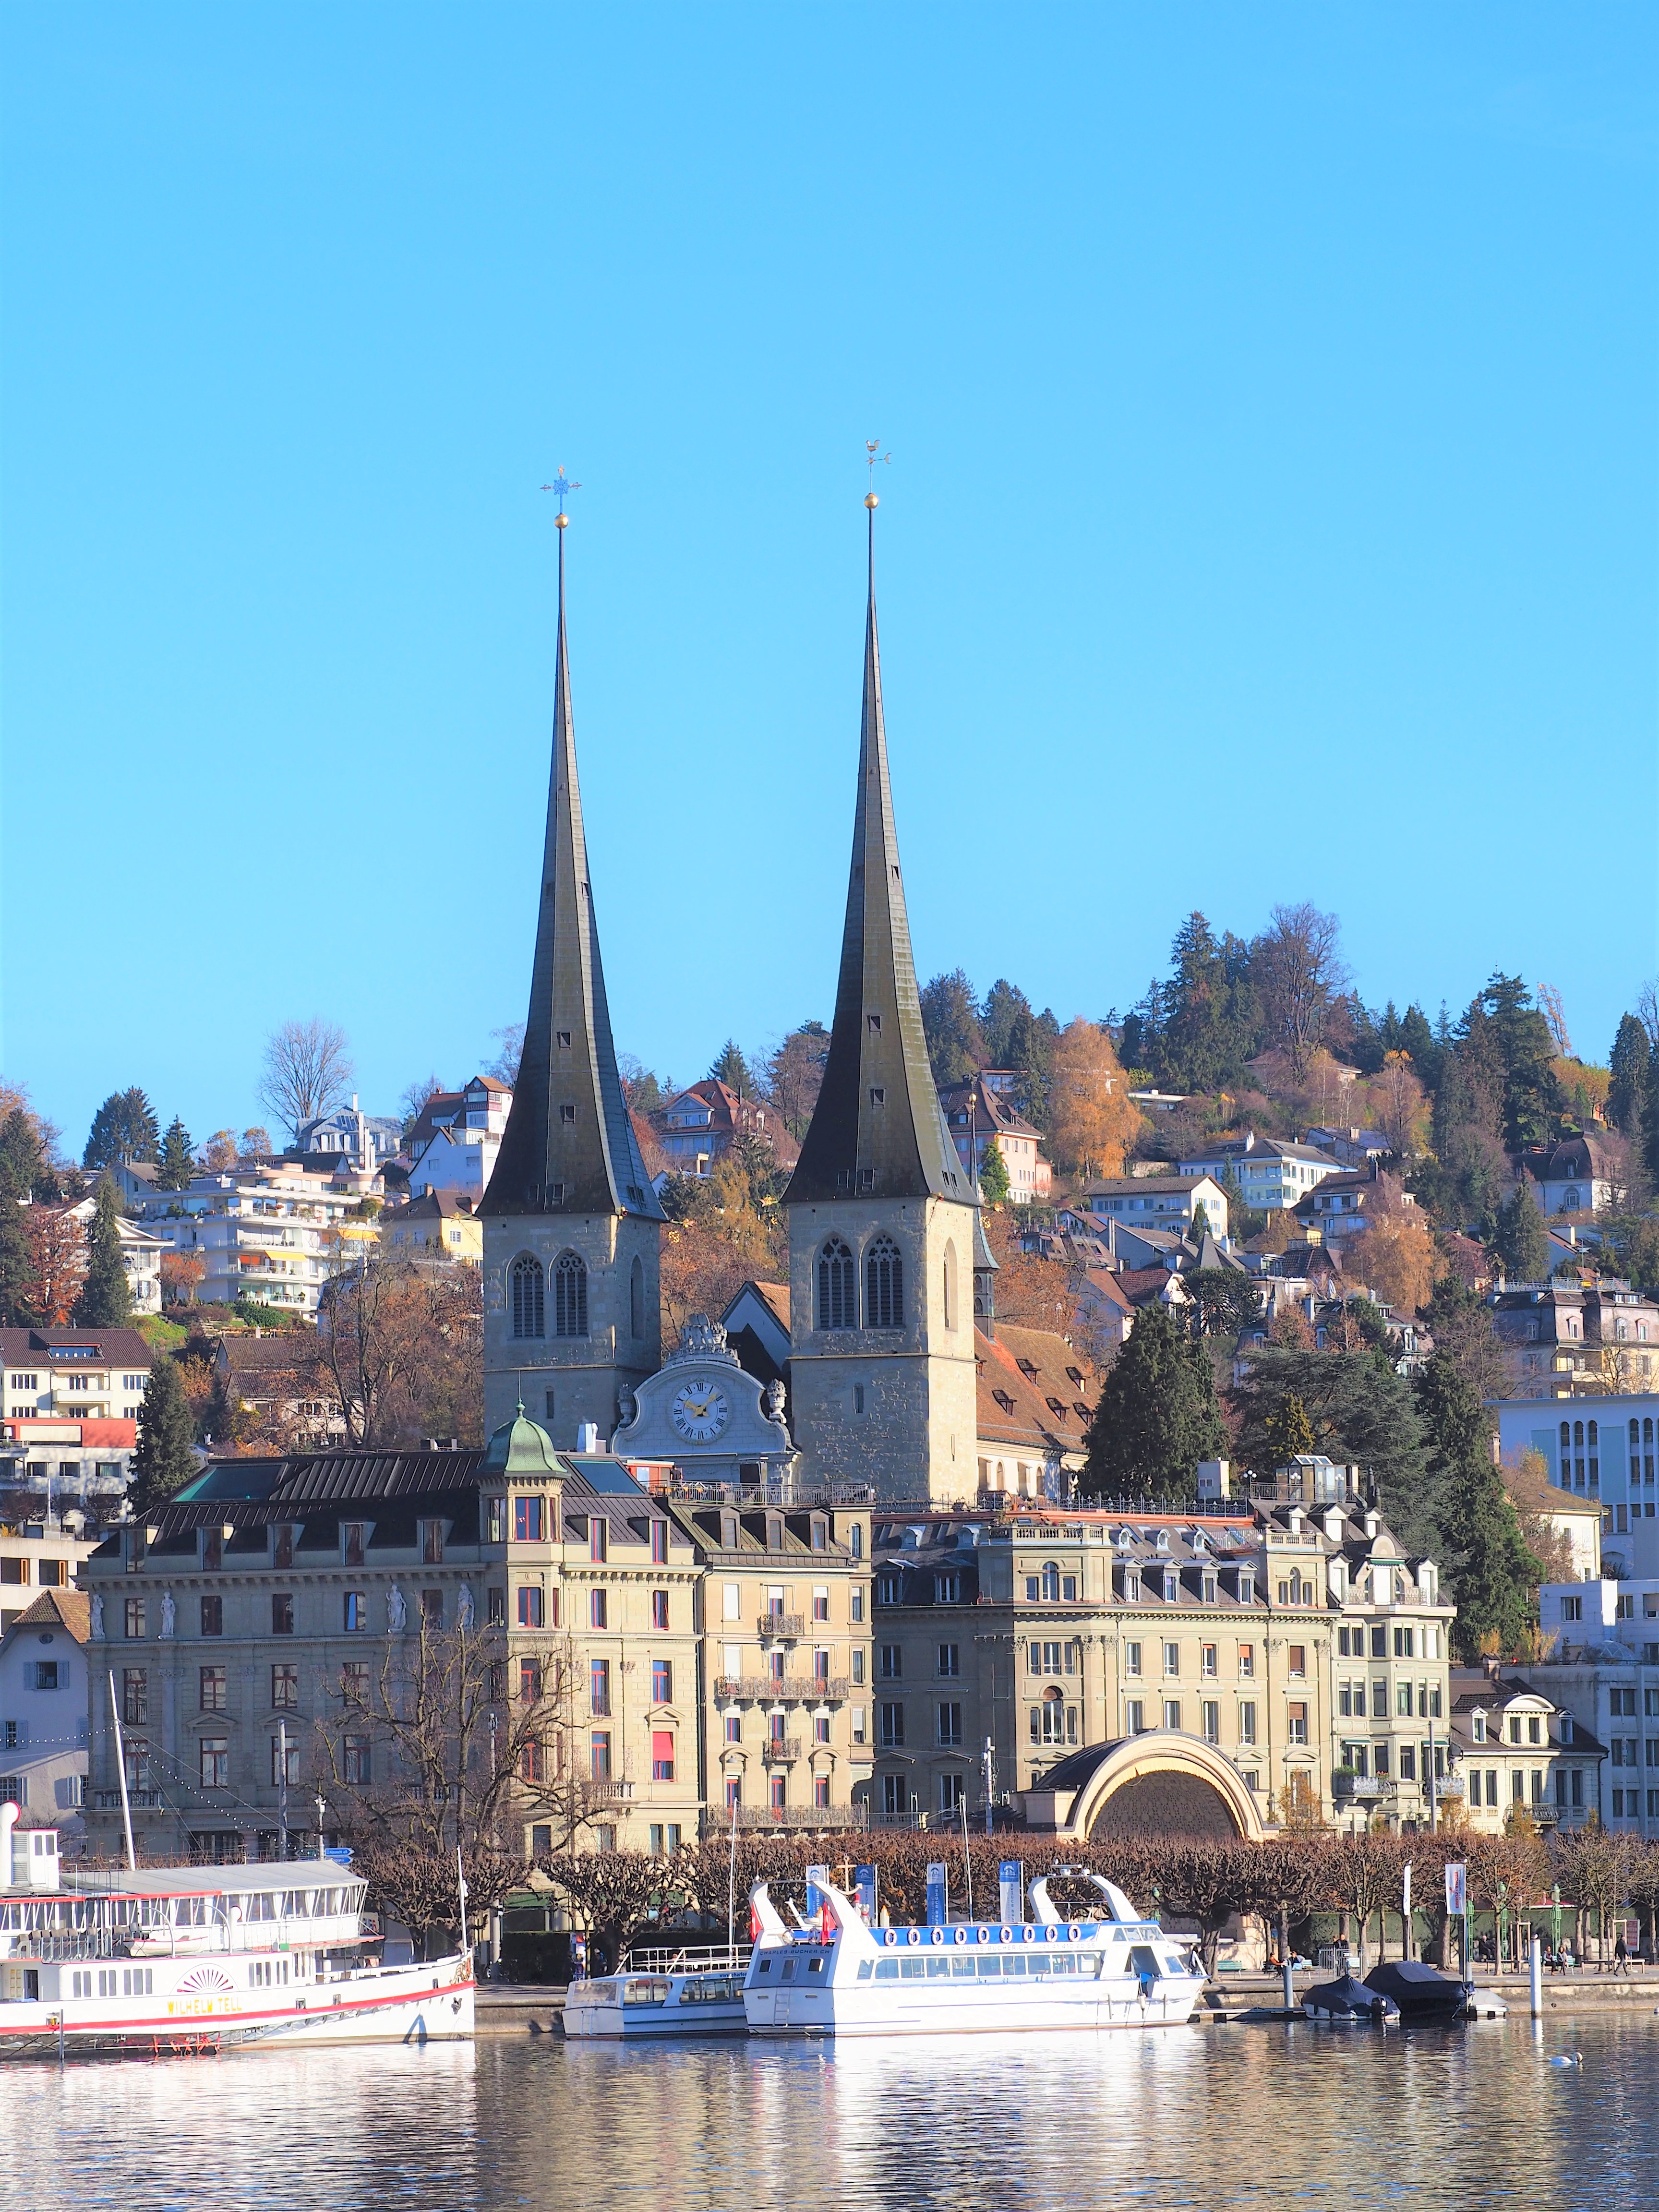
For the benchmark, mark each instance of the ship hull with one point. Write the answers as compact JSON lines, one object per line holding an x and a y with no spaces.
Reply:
{"x":432,"y":2003}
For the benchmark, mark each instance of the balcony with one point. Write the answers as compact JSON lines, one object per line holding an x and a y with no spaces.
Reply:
{"x":769,"y":1690}
{"x":610,"y":1793}
{"x":807,"y":1818}
{"x":781,"y":1751}
{"x":141,"y":1801}
{"x":780,"y":1627}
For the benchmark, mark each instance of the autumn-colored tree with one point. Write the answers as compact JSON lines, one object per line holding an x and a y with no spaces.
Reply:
{"x":181,"y":1277}
{"x":219,"y":1151}
{"x":718,"y":1239}
{"x":794,"y":1073}
{"x":56,"y":1265}
{"x":1092,"y":1120}
{"x":1397,"y":1257}
{"x":1028,"y":1290}
{"x":1401,"y":1105}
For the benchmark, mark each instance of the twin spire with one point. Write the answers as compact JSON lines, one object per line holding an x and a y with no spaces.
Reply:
{"x":878,"y":1129}
{"x":569,"y":1146}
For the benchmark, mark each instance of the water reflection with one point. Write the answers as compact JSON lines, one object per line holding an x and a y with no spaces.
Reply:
{"x":1245,"y":2117}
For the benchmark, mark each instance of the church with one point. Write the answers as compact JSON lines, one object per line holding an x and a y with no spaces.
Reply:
{"x":898,"y":1385}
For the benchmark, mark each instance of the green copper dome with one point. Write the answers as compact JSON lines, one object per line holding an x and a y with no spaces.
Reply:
{"x":519,"y":1446}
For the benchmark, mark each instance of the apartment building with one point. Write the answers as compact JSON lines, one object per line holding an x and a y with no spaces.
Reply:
{"x":270,"y":1232}
{"x":42,"y":1711}
{"x":786,"y":1618}
{"x":1519,"y":1747}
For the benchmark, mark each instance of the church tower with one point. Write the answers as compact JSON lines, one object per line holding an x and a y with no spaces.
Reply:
{"x":884,"y":1236}
{"x":571,"y":1225}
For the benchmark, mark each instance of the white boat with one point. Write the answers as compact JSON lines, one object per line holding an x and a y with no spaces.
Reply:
{"x":164,"y":1959}
{"x":667,"y":1994}
{"x":840,"y":1977}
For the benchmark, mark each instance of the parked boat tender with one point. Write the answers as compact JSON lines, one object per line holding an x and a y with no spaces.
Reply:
{"x":676,"y":1994}
{"x":840,"y":1977}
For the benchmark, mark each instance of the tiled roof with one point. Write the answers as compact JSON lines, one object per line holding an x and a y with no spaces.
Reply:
{"x":69,"y":1610}
{"x":115,"y":1348}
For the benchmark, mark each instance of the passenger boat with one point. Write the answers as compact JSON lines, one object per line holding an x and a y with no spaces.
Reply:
{"x":667,"y":1994}
{"x":172,"y":1959}
{"x":840,"y":1977}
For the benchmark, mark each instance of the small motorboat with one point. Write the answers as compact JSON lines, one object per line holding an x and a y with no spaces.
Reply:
{"x":681,"y":1996}
{"x":1350,"y":2003}
{"x":1424,"y":1997}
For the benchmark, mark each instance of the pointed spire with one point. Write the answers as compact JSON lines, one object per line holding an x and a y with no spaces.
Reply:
{"x":877,"y":1129}
{"x":569,"y":1146}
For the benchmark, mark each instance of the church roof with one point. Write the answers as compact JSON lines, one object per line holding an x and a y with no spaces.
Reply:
{"x":877,"y":1129}
{"x":569,"y":1146}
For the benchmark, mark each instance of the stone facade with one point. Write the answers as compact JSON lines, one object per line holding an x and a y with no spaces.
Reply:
{"x":568,"y":1381}
{"x":894,"y":1409}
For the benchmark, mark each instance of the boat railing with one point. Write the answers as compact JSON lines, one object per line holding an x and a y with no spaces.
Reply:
{"x":688,"y":1959}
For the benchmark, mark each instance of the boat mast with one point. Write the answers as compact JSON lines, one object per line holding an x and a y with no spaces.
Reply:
{"x":121,"y":1774}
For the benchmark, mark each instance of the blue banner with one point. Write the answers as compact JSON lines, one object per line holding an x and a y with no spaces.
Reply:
{"x":814,"y":1899}
{"x":937,"y":1892}
{"x":864,"y":1884}
{"x":1010,"y":1884}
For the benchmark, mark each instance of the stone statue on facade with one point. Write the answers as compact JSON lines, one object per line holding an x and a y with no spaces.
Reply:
{"x":626,"y":1409}
{"x":464,"y":1614}
{"x":774,"y":1399}
{"x":396,"y":1610}
{"x":169,"y":1613}
{"x":97,"y":1613}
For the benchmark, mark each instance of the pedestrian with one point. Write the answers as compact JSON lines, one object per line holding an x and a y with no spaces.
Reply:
{"x":1620,"y":1956}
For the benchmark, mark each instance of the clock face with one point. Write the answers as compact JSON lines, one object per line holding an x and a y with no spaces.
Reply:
{"x":699,"y":1410}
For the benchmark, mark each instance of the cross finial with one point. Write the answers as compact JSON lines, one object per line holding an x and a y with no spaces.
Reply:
{"x":562,"y":487}
{"x":872,"y":447}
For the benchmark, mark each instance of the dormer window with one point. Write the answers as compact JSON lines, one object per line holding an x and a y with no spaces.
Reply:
{"x":1478,"y":1728}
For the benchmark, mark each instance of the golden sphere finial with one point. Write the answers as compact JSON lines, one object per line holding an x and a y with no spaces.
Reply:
{"x":871,"y":500}
{"x":562,"y":521}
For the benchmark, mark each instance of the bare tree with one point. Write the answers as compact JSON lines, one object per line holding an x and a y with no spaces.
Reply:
{"x":505,"y":1066}
{"x":447,"y":1741}
{"x":306,"y":1069}
{"x":399,"y":1350}
{"x":1549,"y":1001}
{"x":1647,"y":1010}
{"x":416,"y":1097}
{"x":1300,"y":972}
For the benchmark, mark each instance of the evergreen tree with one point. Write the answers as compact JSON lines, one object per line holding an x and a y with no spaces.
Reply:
{"x":1522,"y":1243}
{"x":1290,"y":1432}
{"x":164,"y":1459}
{"x":993,"y":1185}
{"x":23,"y":1159}
{"x":178,"y":1161}
{"x":123,"y":1128}
{"x":1212,"y":1023}
{"x":1004,"y":1005}
{"x":1361,"y":1413}
{"x":1515,"y":1038}
{"x":1650,"y":1119}
{"x":17,"y":1266}
{"x":1627,"y":1093}
{"x":105,"y":1300}
{"x":950,"y":1021}
{"x":732,"y":1070}
{"x":1156,"y":1417}
{"x":1494,"y":1576}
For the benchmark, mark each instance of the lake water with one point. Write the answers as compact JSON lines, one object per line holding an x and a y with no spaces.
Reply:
{"x":1203,"y":2118}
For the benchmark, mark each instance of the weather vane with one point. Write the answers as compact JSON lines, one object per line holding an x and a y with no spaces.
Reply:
{"x":562,"y":487}
{"x":872,"y":446}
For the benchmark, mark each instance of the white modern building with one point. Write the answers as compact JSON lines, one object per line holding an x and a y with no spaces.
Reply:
{"x":1601,"y":1448}
{"x":273,"y":1233}
{"x":1603,"y":1669}
{"x":1270,"y":1175}
{"x":454,"y":1143}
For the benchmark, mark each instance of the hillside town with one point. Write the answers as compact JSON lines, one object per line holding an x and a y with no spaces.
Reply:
{"x":1231,"y":1417}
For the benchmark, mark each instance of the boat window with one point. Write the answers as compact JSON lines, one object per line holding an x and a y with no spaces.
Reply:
{"x":865,"y":1967}
{"x":1039,"y":1965}
{"x":788,"y":1970}
{"x":912,"y":1969}
{"x":987,"y":1967}
{"x":1016,"y":1966}
{"x":887,"y":1970}
{"x":766,"y":1966}
{"x":962,"y":1968}
{"x":938,"y":1969}
{"x":652,"y":1992}
{"x":1143,"y":1960}
{"x":815,"y":1965}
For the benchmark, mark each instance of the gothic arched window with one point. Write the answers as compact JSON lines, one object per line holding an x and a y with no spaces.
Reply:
{"x":529,"y":1313}
{"x":569,"y":1296}
{"x":883,"y":1285}
{"x":835,"y":1279}
{"x":636,"y":1298}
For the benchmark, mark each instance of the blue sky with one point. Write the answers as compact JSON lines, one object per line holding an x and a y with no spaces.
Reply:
{"x":1271,"y":395}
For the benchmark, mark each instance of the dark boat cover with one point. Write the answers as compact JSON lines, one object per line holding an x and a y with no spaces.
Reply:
{"x":1348,"y":1999}
{"x":1418,"y":1991}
